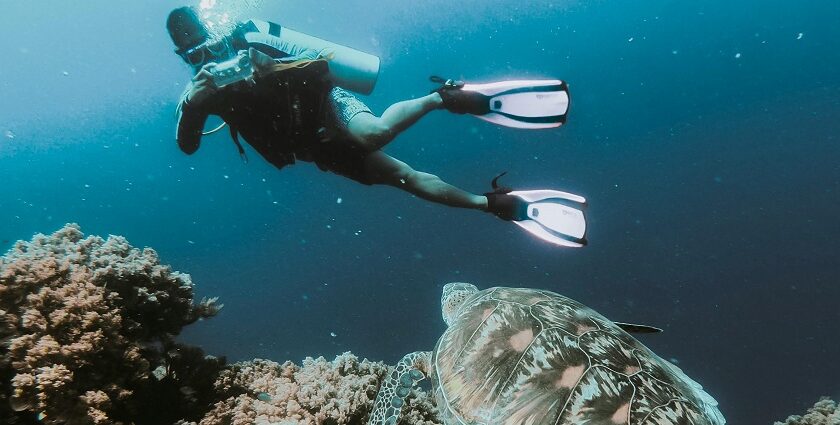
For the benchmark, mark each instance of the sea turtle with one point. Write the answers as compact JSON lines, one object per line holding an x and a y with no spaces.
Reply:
{"x":529,"y":357}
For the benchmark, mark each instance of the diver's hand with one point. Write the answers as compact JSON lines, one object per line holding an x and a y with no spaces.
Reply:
{"x":263,"y":64}
{"x":202,"y":88}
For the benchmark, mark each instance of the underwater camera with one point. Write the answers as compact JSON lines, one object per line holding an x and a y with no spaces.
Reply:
{"x":233,"y":70}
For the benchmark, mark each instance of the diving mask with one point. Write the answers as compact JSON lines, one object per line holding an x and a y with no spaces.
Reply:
{"x":212,"y":50}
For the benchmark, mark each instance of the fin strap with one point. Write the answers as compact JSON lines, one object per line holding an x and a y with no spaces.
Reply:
{"x":447,"y":82}
{"x":495,"y":185}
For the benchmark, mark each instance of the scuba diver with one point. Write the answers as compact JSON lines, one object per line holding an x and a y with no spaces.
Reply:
{"x":284,"y":93}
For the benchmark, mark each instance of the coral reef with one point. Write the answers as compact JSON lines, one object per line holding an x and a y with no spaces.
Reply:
{"x":342,"y":391}
{"x":825,"y":412}
{"x":83,"y":324}
{"x":87,"y":329}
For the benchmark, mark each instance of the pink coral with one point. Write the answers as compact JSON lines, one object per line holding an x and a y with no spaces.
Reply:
{"x":80,"y":319}
{"x":825,"y":412}
{"x":319,"y":391}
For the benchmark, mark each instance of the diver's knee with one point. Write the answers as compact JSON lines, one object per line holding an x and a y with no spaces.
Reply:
{"x":375,"y":134}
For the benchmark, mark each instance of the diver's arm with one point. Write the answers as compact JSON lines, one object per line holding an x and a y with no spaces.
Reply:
{"x":190,"y":126}
{"x":192,"y":112}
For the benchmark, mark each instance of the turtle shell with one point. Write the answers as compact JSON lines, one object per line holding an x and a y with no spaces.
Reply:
{"x":526,"y":356}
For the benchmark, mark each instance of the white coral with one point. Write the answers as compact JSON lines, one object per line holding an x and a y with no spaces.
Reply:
{"x":824,"y":412}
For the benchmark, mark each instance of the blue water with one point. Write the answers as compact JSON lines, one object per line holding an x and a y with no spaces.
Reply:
{"x":703,"y":134}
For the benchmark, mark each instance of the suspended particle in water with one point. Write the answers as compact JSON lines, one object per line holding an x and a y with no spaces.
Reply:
{"x":799,"y":36}
{"x":737,"y":56}
{"x":333,"y":334}
{"x":339,"y":200}
{"x":9,"y":134}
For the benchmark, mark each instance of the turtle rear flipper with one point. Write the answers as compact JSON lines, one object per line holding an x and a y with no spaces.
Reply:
{"x":410,"y":370}
{"x":634,"y":328}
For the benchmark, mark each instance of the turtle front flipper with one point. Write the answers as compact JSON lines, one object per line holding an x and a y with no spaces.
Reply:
{"x":410,"y":370}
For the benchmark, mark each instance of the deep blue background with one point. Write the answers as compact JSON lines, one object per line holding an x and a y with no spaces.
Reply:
{"x":704,"y":136}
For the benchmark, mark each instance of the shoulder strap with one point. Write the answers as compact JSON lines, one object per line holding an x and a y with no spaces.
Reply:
{"x":235,"y":136}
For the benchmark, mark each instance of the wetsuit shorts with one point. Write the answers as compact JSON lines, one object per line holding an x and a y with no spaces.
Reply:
{"x":339,"y":153}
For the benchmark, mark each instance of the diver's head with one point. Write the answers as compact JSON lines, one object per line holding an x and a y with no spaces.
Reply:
{"x":193,"y":41}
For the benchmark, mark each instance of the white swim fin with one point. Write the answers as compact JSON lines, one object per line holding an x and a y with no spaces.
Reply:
{"x":528,"y":104}
{"x":550,"y":215}
{"x":550,"y":218}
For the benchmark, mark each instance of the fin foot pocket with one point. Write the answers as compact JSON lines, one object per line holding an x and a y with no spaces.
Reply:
{"x":460,"y":101}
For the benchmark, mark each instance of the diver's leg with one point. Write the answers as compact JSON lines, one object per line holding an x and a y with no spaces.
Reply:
{"x":374,"y":132}
{"x":384,"y":169}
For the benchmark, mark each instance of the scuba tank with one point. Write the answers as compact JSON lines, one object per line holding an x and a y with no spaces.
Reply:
{"x":349,"y":68}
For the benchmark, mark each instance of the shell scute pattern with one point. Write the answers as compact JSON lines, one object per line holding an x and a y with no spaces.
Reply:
{"x":610,"y":352}
{"x":483,"y":364}
{"x":545,"y":377}
{"x":516,"y":295}
{"x":676,"y":412}
{"x":602,"y":397}
{"x":520,"y":356}
{"x":571,"y":316}
{"x":666,"y":373}
{"x":652,"y":393}
{"x":460,"y":332}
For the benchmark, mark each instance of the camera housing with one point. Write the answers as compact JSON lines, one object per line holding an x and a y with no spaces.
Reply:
{"x":234,"y":70}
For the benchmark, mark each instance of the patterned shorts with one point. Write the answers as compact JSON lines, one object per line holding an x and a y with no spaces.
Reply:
{"x":342,"y":107}
{"x":341,"y":155}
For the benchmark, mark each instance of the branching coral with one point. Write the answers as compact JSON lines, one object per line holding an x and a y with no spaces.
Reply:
{"x":83,"y":322}
{"x":317,"y":392}
{"x":825,"y":412}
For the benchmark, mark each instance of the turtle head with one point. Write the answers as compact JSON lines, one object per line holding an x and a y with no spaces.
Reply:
{"x":453,"y":297}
